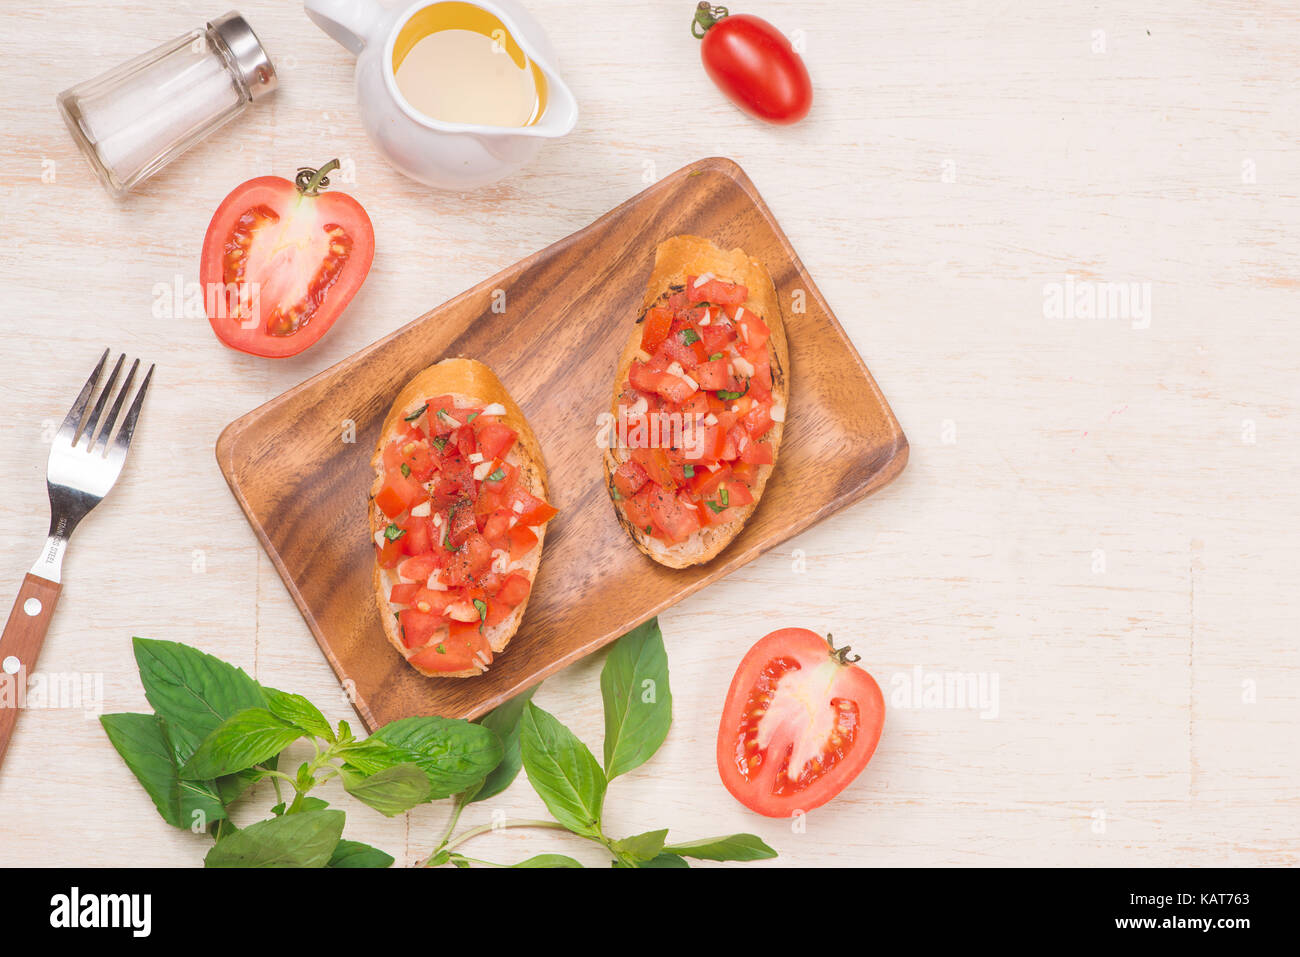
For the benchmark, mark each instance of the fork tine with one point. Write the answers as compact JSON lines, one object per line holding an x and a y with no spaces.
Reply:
{"x":88,"y":433}
{"x":72,"y":421}
{"x":102,"y":442}
{"x":123,"y":440}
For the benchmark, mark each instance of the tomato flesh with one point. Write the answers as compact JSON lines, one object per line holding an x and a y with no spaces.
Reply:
{"x":799,"y":724}
{"x":279,"y":266}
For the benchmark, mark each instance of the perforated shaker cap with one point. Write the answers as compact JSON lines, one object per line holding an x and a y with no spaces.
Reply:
{"x":246,"y":53}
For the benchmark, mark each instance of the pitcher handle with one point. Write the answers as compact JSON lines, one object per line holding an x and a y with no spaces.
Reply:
{"x":353,"y":23}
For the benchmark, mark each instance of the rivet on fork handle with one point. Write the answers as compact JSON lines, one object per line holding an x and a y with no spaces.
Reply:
{"x":20,"y":645}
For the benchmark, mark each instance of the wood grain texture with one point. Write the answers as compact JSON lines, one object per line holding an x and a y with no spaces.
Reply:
{"x":1101,"y":516}
{"x":552,"y":327}
{"x":20,"y":646}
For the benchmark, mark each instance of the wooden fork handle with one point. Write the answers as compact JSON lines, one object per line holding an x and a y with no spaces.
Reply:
{"x":20,"y":645}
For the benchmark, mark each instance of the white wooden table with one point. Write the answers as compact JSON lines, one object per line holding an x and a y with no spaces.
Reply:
{"x":1100,"y":514}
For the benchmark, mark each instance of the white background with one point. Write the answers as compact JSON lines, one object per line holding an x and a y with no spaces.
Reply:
{"x":1102,"y":517}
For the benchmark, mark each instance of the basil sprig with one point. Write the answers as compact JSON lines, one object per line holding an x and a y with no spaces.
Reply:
{"x":216,"y":731}
{"x":573,"y":784}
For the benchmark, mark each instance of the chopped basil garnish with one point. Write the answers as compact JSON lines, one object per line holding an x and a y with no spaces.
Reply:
{"x":471,"y":417}
{"x":497,"y":476}
{"x":690,"y":337}
{"x":647,"y":529}
{"x":723,"y":497}
{"x":727,"y":396}
{"x":417,"y":413}
{"x":715,"y":507}
{"x":617,"y":495}
{"x":481,"y":606}
{"x":441,"y":649}
{"x":689,"y":470}
{"x":715,"y":357}
{"x":440,"y":442}
{"x":393,"y":533}
{"x":406,"y":470}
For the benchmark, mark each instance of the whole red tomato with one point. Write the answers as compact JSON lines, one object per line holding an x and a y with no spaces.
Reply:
{"x":753,"y":63}
{"x":281,"y":260}
{"x":801,"y":721}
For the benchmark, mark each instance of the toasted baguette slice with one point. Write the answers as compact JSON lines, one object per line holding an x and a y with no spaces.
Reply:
{"x":675,"y":260}
{"x":471,"y":384}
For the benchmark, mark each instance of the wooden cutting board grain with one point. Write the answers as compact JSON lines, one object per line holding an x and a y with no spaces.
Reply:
{"x":551,"y":327}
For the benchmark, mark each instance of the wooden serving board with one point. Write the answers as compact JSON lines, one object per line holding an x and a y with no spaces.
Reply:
{"x":569,"y":309}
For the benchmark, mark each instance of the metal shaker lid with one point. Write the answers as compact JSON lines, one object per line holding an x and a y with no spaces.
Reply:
{"x":246,"y":53}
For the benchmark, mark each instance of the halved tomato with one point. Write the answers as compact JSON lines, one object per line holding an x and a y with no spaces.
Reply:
{"x":800,"y":722}
{"x":280,"y":262}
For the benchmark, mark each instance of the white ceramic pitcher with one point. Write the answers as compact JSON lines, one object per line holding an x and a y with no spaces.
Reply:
{"x":446,"y":155}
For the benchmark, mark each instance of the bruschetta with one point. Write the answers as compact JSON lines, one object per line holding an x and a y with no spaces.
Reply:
{"x":458,"y":516}
{"x":700,"y":402}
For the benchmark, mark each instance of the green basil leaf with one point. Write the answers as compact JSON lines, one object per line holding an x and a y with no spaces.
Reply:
{"x":504,"y":720}
{"x":294,"y":840}
{"x":355,"y":854}
{"x":247,"y":738}
{"x":307,"y":803}
{"x":733,"y":847}
{"x":548,"y":860}
{"x":638,"y":702}
{"x":298,"y":711}
{"x":231,"y":786}
{"x":563,"y":772}
{"x":191,"y":691}
{"x":665,"y":860}
{"x":642,"y":847}
{"x":142,"y":742}
{"x":392,"y":791}
{"x":455,"y":754}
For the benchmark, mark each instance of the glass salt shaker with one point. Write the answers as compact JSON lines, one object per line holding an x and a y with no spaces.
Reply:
{"x":135,"y":119}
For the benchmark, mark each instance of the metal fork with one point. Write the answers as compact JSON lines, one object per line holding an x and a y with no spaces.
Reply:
{"x":85,"y":461}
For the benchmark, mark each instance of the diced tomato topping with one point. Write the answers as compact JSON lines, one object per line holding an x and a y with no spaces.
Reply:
{"x":418,"y":627}
{"x":754,"y":332}
{"x":629,"y":478}
{"x":655,"y":328}
{"x":532,"y":510}
{"x":643,"y":377}
{"x":637,"y":508}
{"x":402,"y":593}
{"x":390,"y":553}
{"x":738,"y":493}
{"x":495,"y":440}
{"x":657,"y":467}
{"x":514,"y":589}
{"x":676,"y":521}
{"x":672,"y":388}
{"x":716,"y":291}
{"x":390,"y":502}
{"x":758,"y":419}
{"x":522,"y":539}
{"x":416,"y":541}
{"x":717,"y":335}
{"x":757,"y":453}
{"x":497,"y":527}
{"x":713,"y":375}
{"x":419,"y":568}
{"x":460,"y":525}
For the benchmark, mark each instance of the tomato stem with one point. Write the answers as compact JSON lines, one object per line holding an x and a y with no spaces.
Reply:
{"x":841,"y":655}
{"x":311,"y":181}
{"x":706,"y":15}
